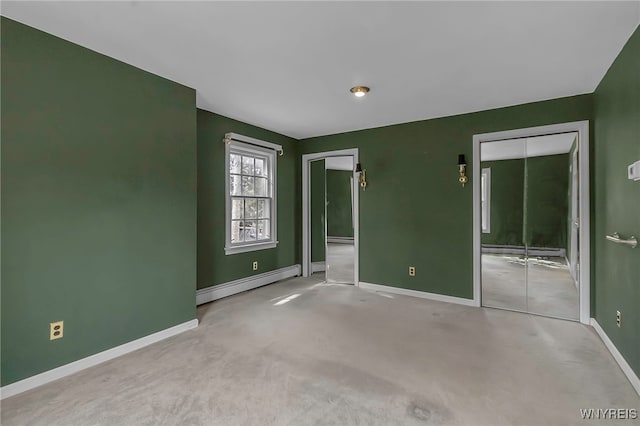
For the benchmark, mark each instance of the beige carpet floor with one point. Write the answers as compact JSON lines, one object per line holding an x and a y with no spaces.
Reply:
{"x":338,"y":355}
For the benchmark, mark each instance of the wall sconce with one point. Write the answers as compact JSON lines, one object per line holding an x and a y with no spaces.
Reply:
{"x":362,"y":176}
{"x":462,"y":168}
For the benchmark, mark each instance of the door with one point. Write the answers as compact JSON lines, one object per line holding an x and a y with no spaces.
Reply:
{"x":317,"y":215}
{"x":339,"y":220}
{"x":503,"y":251}
{"x":529,"y":244}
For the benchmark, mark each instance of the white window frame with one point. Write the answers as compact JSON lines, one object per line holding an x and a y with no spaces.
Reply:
{"x":485,"y":198}
{"x":236,"y":147}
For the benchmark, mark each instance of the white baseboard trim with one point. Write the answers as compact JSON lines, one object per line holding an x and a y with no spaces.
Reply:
{"x":92,"y":360}
{"x":624,"y":365}
{"x":318,"y":267}
{"x":209,"y":294}
{"x":340,"y":240}
{"x":415,"y":293}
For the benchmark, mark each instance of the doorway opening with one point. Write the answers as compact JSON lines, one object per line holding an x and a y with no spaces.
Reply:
{"x":531,"y":221}
{"x":330,"y":216}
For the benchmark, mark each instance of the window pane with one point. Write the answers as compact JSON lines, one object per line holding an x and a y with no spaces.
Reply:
{"x":484,"y":216}
{"x":261,"y":167}
{"x":250,"y":208}
{"x":237,"y":209}
{"x":260,"y":187}
{"x":249,"y":230}
{"x":250,"y":186}
{"x":247,"y":185}
{"x":264,"y":229}
{"x":247,"y":165}
{"x":235,"y":161}
{"x":263,"y":209}
{"x":236,"y":235}
{"x":234,"y":185}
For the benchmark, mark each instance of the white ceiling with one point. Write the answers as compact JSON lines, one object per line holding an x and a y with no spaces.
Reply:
{"x":288,"y":66}
{"x":527,"y":147}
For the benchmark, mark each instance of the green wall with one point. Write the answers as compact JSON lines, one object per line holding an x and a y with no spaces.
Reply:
{"x":617,"y":200}
{"x":98,"y":202}
{"x":317,"y":199}
{"x":546,"y":201}
{"x":507,"y":203}
{"x":339,"y":216}
{"x":414,"y":211}
{"x":214,"y":267}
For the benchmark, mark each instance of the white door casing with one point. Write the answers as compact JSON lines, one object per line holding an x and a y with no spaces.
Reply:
{"x":584,"y":250}
{"x":306,"y":210}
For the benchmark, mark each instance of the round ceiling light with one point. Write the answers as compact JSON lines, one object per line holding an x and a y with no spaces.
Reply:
{"x":360,"y":91}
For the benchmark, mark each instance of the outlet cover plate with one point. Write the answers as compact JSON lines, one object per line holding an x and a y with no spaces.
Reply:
{"x":56,"y":330}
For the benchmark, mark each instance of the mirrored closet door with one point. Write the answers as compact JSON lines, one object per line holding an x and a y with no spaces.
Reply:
{"x":339,"y":220}
{"x":332,"y":219}
{"x":529,"y":217}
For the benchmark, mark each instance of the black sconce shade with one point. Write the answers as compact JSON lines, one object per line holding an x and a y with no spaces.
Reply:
{"x":461,"y":160}
{"x":358,"y":168}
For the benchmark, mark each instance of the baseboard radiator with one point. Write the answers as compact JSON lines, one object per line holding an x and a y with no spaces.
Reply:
{"x":340,"y":240}
{"x":209,"y":294}
{"x":521,"y":250}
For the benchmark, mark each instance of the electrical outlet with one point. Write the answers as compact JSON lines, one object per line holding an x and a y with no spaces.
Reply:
{"x":618,"y":319}
{"x":255,"y":265}
{"x":412,"y":271}
{"x":56,"y":330}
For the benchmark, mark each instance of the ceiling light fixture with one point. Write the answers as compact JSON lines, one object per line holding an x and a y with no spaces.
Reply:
{"x":360,"y":91}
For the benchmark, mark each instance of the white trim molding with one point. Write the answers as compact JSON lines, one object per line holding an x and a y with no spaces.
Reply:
{"x":624,"y":365}
{"x":228,"y":137}
{"x":92,"y":360}
{"x":209,"y":294}
{"x":318,"y":267}
{"x":485,"y":190}
{"x":268,"y":155}
{"x":416,"y":293}
{"x":306,"y":208}
{"x":582,"y":128}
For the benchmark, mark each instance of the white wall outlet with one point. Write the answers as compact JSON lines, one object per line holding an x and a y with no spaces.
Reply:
{"x":412,"y":271}
{"x":634,"y":171}
{"x":618,"y":319}
{"x":56,"y":330}
{"x":254,"y":265}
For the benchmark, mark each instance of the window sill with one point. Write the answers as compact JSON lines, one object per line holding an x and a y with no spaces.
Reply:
{"x":250,"y":247}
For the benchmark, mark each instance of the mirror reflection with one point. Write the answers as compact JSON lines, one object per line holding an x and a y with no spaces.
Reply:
{"x":332,"y":233}
{"x":529,"y":212}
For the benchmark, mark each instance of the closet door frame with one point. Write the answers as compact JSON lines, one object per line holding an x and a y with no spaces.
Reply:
{"x":582,"y":128}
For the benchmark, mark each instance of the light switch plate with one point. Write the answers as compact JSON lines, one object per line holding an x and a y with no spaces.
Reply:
{"x":634,"y":171}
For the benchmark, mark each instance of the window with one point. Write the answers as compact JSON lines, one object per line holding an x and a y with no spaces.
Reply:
{"x":485,"y":199}
{"x":251,"y":201}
